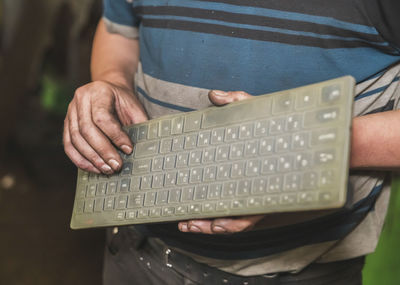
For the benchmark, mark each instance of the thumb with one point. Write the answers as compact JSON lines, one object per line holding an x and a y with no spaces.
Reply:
{"x":218,"y":97}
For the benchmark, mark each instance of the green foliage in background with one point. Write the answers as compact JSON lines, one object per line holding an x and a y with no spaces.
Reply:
{"x":55,"y":94}
{"x":383,"y":266}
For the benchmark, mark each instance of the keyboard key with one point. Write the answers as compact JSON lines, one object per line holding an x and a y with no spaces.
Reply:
{"x":135,"y":200}
{"x":192,"y":122}
{"x":158,"y":181}
{"x":222,"y":153}
{"x":195,"y":157}
{"x":157,"y":164}
{"x":102,"y":189}
{"x":283,"y":143}
{"x":292,"y":182}
{"x":162,"y":197}
{"x":224,"y":171}
{"x":305,"y":100}
{"x":98,"y":205}
{"x":321,"y":137}
{"x":79,"y":206}
{"x":194,"y":208}
{"x":269,"y":165}
{"x":327,"y":178}
{"x":182,"y":159}
{"x":251,"y":149}
{"x":187,"y":194}
{"x":174,"y":196}
{"x":81,"y":192}
{"x":166,"y":145}
{"x":143,"y":132}
{"x":255,"y":202}
{"x":149,"y":199}
{"x":183,"y":177}
{"x":146,"y":148}
{"x":325,"y":156}
{"x":177,"y":143}
{"x":210,"y":173}
{"x":91,"y":191}
{"x":181,"y":210}
{"x":325,"y":197}
{"x":331,"y":94}
{"x":229,"y":189}
{"x":267,"y":146}
{"x":167,"y":211}
{"x":307,"y":198}
{"x":253,"y":167}
{"x":288,"y":199}
{"x":244,"y":188}
{"x":112,"y":187}
{"x":238,"y":169}
{"x":215,"y":191}
{"x":276,"y":126}
{"x":121,"y":202}
{"x":169,"y":162}
{"x":259,"y":186}
{"x":217,"y":136}
{"x":271,"y":201}
{"x":204,"y":138}
{"x":246,"y":131}
{"x":294,"y":123}
{"x":285,"y":163}
{"x":142,"y":213}
{"x":222,"y":206}
{"x":131,"y":214}
{"x":109,"y":203}
{"x":238,"y":204}
{"x":196,"y":175}
{"x":283,"y":103}
{"x":303,"y":161}
{"x":209,"y":207}
{"x":177,"y":126}
{"x":125,"y":184}
{"x":135,"y":183}
{"x":275,"y":184}
{"x":237,"y":151}
{"x":155,"y":212}
{"x":146,"y":182}
{"x":170,"y":178}
{"x":120,"y":215}
{"x":261,"y":128}
{"x":190,"y":141}
{"x":310,"y":180}
{"x":231,"y":133}
{"x":300,"y":141}
{"x":153,"y":130}
{"x":209,"y":155}
{"x":141,"y":166}
{"x":200,"y":192}
{"x":133,"y":134}
{"x":165,"y":128}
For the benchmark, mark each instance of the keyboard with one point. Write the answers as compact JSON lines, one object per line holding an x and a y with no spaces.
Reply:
{"x":282,"y":152}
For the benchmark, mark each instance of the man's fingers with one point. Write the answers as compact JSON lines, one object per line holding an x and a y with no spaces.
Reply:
{"x":235,"y":225}
{"x":95,"y":137}
{"x":218,"y":97}
{"x":73,"y":154}
{"x":82,"y":146}
{"x":107,"y":123}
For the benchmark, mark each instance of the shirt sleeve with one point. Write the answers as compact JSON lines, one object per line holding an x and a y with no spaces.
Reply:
{"x":119,"y":18}
{"x":385,"y":16}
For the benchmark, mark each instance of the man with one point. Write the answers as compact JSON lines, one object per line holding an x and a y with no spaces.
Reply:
{"x":188,"y":48}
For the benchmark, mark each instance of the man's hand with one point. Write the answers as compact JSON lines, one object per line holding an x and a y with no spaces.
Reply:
{"x":222,"y":225}
{"x":92,"y":127}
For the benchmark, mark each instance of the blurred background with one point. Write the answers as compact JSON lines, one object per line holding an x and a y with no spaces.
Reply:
{"x":44,"y":56}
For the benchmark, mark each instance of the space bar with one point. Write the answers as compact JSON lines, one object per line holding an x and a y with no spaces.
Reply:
{"x":230,"y":114}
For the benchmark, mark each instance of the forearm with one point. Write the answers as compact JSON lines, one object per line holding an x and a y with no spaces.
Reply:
{"x":114,"y":57}
{"x":376,"y":141}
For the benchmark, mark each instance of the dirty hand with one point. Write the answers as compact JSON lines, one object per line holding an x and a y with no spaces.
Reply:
{"x":93,"y":125}
{"x":222,"y":225}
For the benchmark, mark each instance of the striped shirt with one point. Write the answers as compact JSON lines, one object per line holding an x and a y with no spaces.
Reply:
{"x":188,"y":47}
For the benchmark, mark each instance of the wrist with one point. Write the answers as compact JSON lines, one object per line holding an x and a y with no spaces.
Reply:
{"x":115,"y":78}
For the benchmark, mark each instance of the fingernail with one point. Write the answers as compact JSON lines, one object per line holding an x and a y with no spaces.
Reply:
{"x":114,"y":164}
{"x":195,"y":229}
{"x":106,"y":168}
{"x":220,"y":93}
{"x":184,"y":227}
{"x":219,"y":229}
{"x":126,"y":149}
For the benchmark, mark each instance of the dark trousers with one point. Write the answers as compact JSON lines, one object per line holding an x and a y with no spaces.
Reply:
{"x":131,"y":259}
